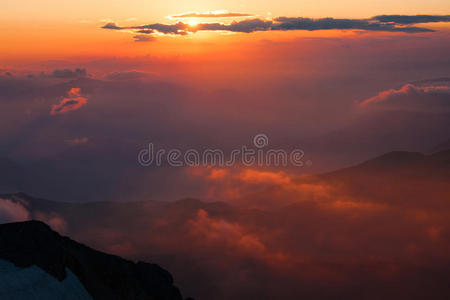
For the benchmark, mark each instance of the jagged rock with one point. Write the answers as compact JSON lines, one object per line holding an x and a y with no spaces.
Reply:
{"x":104,"y":276}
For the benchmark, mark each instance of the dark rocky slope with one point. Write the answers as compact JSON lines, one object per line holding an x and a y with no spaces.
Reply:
{"x":104,"y":276}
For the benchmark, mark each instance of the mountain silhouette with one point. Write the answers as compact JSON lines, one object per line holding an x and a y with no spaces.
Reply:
{"x":104,"y":276}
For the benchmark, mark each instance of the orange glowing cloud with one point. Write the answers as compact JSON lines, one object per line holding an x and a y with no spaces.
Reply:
{"x":268,"y":188}
{"x":217,"y":174}
{"x":411,"y":96}
{"x":254,"y":176}
{"x":74,"y":101}
{"x":231,"y":236}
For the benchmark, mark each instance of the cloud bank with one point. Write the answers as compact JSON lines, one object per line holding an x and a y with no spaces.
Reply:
{"x":386,"y":23}
{"x":412,"y":97}
{"x":67,"y":73}
{"x":12,"y":211}
{"x":309,"y":236}
{"x":18,"y":210}
{"x":407,"y":20}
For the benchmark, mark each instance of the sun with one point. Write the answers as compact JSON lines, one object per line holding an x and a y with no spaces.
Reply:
{"x":192,"y":22}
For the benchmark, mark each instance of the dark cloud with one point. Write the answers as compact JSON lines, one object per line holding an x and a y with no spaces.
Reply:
{"x":379,"y":23}
{"x":249,"y":26}
{"x":67,"y":73}
{"x":111,"y":26}
{"x":178,"y":28}
{"x":129,"y":75}
{"x":246,"y":26}
{"x":407,"y":20}
{"x":284,"y":23}
{"x":146,"y":31}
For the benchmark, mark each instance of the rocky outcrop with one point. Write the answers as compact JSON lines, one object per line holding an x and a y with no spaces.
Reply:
{"x":104,"y":276}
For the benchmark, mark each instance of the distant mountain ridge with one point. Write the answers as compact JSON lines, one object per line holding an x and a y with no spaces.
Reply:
{"x":400,"y":161}
{"x":441,"y":147}
{"x":104,"y":276}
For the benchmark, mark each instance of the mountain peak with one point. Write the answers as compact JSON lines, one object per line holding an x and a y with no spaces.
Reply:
{"x":398,"y":157}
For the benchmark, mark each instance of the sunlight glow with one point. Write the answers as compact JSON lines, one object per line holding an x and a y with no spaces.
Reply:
{"x":192,"y":22}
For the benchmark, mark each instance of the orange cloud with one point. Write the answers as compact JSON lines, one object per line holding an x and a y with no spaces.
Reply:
{"x":217,"y":174}
{"x":254,"y":176}
{"x":74,"y":101}
{"x":231,"y":236}
{"x":410,"y":96}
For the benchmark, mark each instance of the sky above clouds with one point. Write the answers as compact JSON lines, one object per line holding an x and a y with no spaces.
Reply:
{"x":72,"y":28}
{"x":85,"y":9}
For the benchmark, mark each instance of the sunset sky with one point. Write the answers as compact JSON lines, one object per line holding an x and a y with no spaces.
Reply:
{"x":295,"y":70}
{"x":360,"y":89}
{"x":60,"y":29}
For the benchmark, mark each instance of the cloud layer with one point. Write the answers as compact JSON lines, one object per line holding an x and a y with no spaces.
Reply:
{"x":67,"y":73}
{"x":301,"y":93}
{"x":17,"y":209}
{"x":407,"y":20}
{"x":387,"y":23}
{"x":11,"y":211}
{"x":309,"y":236}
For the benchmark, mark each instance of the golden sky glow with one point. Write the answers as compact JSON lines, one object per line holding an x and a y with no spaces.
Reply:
{"x":50,"y":28}
{"x":145,"y":10}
